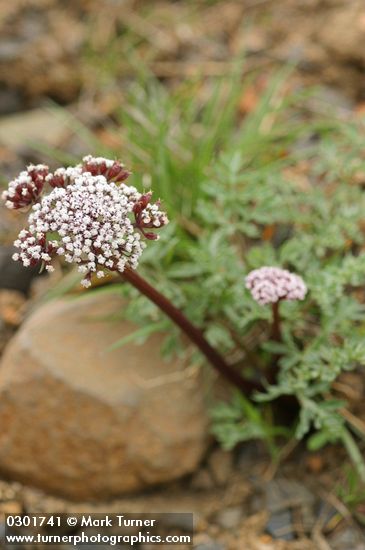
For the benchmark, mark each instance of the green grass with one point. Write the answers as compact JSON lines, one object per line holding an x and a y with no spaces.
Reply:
{"x":172,"y":137}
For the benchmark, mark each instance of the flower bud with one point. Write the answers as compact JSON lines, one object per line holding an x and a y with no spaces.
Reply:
{"x":148,"y":216}
{"x":26,"y":189}
{"x":99,"y":166}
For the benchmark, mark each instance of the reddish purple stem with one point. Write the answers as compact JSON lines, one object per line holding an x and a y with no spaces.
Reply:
{"x":276,"y":322}
{"x":193,"y":333}
{"x":277,"y":337}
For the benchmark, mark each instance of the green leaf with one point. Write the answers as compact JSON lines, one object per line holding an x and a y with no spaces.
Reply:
{"x":138,"y":336}
{"x":318,"y":440}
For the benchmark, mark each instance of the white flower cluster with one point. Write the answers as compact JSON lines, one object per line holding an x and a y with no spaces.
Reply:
{"x":26,"y":188}
{"x":268,"y":285}
{"x":94,"y":223}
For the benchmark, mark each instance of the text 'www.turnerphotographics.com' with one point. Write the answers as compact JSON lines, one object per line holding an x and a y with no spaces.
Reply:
{"x":112,"y":529}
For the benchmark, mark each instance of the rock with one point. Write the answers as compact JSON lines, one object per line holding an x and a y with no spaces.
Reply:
{"x":5,"y":335}
{"x":11,"y":507}
{"x":348,"y":538}
{"x":286,"y":493}
{"x":280,"y":525}
{"x":12,"y":307}
{"x":256,"y":503}
{"x":202,"y":480}
{"x":85,"y":423}
{"x":10,"y":50}
{"x":348,"y":23}
{"x":220,"y":466}
{"x":283,"y":496}
{"x":13,"y":275}
{"x":37,"y":125}
{"x":229,"y":518}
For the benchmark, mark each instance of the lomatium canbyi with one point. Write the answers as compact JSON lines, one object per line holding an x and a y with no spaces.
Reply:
{"x":88,"y":215}
{"x":271,"y":285}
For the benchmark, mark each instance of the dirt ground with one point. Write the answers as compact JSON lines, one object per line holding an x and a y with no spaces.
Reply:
{"x":325,"y":39}
{"x":239,"y":501}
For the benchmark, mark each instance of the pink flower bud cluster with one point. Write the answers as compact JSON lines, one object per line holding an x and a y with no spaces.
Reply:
{"x":113,"y":170}
{"x":268,"y":285}
{"x":26,"y":188}
{"x":90,"y":220}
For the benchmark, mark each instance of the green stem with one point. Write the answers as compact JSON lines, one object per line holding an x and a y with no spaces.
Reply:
{"x":354,"y":452}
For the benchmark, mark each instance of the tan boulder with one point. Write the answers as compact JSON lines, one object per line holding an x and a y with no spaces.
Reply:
{"x":83,"y":422}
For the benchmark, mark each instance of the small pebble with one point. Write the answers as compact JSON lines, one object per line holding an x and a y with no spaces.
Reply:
{"x":349,"y":539}
{"x":279,"y":525}
{"x":287,"y":493}
{"x":230,"y":517}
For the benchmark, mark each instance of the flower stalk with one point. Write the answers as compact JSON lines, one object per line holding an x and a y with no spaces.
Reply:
{"x":276,"y":336}
{"x":193,"y":333}
{"x":271,"y":285}
{"x":276,"y":322}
